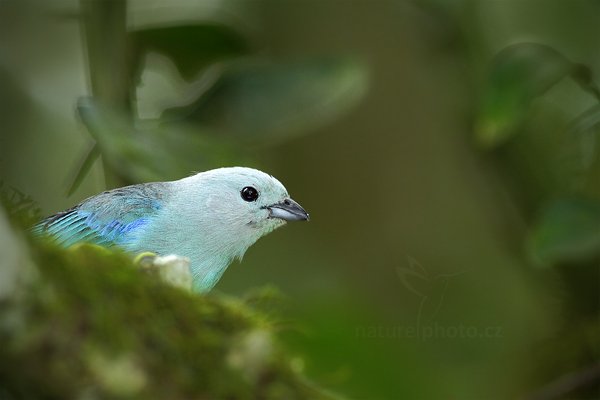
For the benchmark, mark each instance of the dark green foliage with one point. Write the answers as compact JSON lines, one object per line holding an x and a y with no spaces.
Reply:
{"x":568,"y":229}
{"x":518,"y":75}
{"x":190,"y":47}
{"x":259,"y":101}
{"x":551,"y":159}
{"x":251,"y":103}
{"x":154,"y":152}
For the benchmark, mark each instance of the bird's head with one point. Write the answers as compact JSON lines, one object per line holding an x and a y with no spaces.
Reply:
{"x":240,"y":205}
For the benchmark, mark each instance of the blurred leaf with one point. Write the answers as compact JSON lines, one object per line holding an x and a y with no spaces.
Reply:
{"x":579,"y":149}
{"x":191,"y":47}
{"x":152,"y":152}
{"x":259,"y":100}
{"x":569,"y":229}
{"x":584,"y":76}
{"x":518,"y":75}
{"x":587,"y":124}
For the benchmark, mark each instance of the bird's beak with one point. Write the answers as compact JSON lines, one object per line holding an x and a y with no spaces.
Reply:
{"x":287,"y":210}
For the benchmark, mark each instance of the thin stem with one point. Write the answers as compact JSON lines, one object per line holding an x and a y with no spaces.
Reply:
{"x":84,"y":167}
{"x":105,"y":27}
{"x":109,"y":64}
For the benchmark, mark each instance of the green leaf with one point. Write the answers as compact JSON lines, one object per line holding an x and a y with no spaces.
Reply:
{"x":568,"y":230}
{"x":579,"y":149}
{"x":261,"y":100}
{"x":518,"y":75}
{"x":191,"y":47}
{"x":583,"y":75}
{"x":152,"y":152}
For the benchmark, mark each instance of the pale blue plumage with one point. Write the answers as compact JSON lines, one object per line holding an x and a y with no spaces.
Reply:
{"x":204,"y":217}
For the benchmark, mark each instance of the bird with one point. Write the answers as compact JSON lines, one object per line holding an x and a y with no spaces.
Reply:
{"x":211,"y":218}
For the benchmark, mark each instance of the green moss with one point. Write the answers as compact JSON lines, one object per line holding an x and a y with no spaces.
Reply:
{"x":94,"y":325}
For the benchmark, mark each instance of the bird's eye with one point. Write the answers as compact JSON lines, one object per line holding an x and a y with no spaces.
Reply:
{"x":249,"y":193}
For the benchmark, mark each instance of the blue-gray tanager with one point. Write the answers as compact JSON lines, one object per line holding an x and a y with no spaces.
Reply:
{"x":211,"y":218}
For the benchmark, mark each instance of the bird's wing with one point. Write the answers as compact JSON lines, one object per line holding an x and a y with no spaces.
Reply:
{"x":108,"y":218}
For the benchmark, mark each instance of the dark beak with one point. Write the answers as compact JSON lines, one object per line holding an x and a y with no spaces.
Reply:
{"x":288,"y":210}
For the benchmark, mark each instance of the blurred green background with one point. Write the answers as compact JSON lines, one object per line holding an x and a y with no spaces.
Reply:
{"x":447,"y":152}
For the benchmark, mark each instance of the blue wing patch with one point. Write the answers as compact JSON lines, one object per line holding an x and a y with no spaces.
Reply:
{"x":107,"y":219}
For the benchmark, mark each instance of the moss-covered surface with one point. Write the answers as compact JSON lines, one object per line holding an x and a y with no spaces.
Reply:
{"x":94,"y":326}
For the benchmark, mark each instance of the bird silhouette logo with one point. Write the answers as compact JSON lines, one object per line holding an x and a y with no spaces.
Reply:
{"x":431,"y":289}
